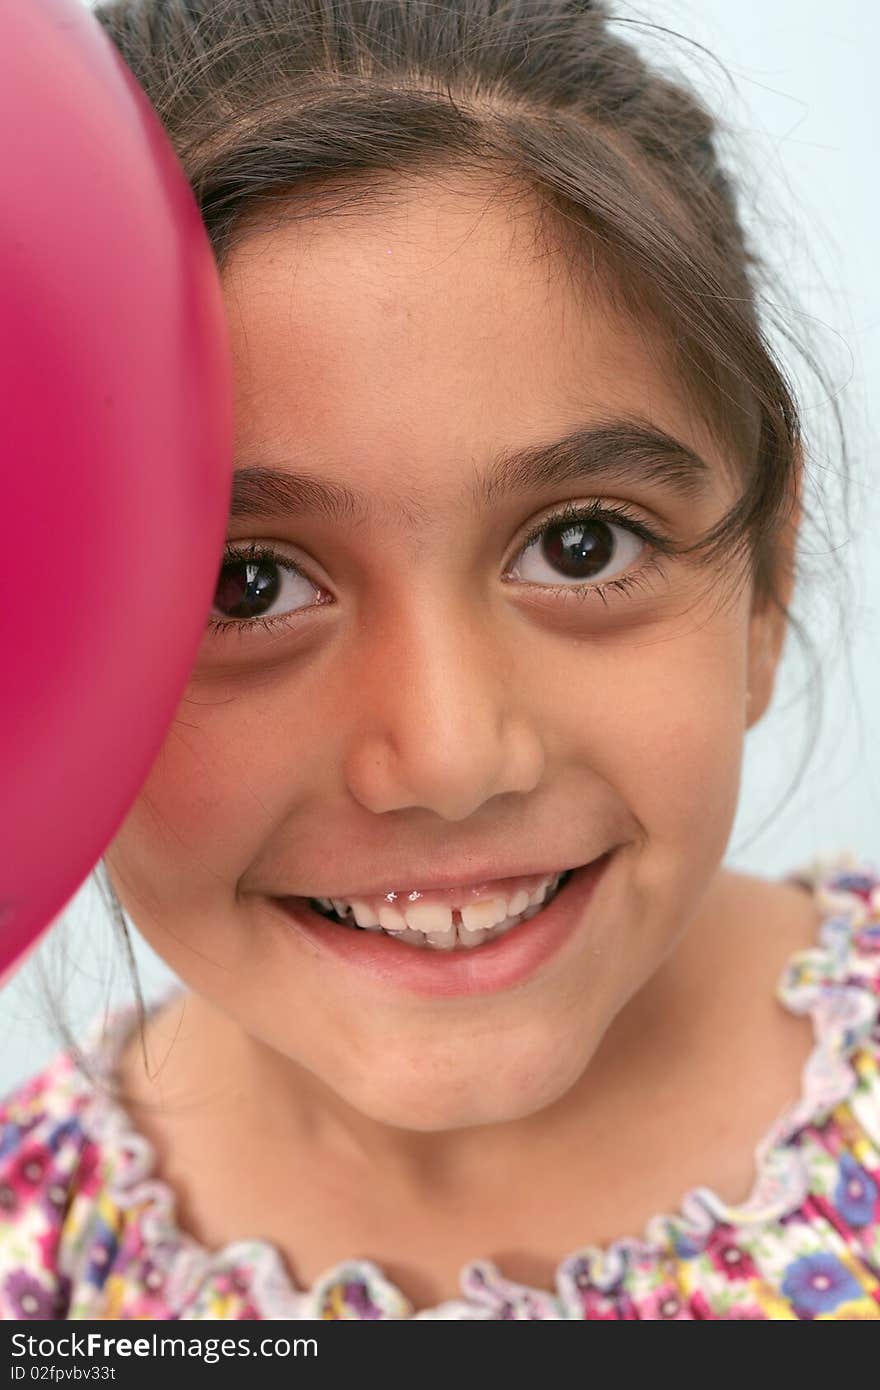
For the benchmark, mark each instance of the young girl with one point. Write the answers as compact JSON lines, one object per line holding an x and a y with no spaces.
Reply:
{"x":467,"y":998}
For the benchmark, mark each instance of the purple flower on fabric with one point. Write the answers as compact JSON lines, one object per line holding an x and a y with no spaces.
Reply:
{"x":29,"y":1297}
{"x":53,"y":1198}
{"x":101,"y":1255}
{"x":357,"y":1297}
{"x":856,"y":1193}
{"x":860,"y":884}
{"x":817,"y":1283}
{"x":60,"y":1133}
{"x":10,"y":1134}
{"x":598,"y":1305}
{"x":62,"y":1298}
{"x":685,"y":1248}
{"x":151,"y":1277}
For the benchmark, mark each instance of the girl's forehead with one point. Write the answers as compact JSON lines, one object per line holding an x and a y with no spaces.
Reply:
{"x":433,"y":337}
{"x":435,"y":285}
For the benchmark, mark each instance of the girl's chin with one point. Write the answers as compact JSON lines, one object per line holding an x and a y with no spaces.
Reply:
{"x":451,"y":1092}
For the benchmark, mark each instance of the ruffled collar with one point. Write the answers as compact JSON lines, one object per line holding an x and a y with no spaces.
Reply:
{"x":831,"y":982}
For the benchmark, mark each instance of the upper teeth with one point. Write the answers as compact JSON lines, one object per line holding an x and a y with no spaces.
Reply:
{"x":434,"y":921}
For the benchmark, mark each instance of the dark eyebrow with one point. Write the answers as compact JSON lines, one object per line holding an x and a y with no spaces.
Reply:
{"x":260,"y":491}
{"x":625,"y":451}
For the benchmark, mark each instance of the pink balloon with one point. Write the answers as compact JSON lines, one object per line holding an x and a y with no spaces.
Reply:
{"x":116,"y":438}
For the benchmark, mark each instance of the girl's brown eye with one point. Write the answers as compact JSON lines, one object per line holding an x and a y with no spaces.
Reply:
{"x":259,"y":584}
{"x":578,"y":550}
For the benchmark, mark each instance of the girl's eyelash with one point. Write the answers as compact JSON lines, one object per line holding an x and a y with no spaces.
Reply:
{"x":572,"y":513}
{"x":569,"y":514}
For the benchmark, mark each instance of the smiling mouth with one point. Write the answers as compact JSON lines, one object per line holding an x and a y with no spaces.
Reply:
{"x":444,"y":929}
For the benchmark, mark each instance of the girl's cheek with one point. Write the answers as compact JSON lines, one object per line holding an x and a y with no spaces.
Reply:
{"x":197,"y":816}
{"x":662,"y":722}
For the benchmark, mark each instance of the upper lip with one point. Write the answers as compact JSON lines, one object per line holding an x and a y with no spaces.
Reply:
{"x":412,"y":880}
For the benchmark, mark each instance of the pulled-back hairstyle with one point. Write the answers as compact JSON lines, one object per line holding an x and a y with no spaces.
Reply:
{"x":286,"y":108}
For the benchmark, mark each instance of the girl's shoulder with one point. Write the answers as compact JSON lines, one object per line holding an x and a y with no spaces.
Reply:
{"x":87,"y":1229}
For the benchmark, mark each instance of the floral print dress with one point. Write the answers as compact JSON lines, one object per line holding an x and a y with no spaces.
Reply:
{"x":88,"y":1232}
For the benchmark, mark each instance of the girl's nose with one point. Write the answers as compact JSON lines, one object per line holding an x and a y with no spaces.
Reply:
{"x":440,"y":725}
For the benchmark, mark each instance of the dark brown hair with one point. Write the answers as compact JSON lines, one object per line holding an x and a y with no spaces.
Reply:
{"x":284,"y":108}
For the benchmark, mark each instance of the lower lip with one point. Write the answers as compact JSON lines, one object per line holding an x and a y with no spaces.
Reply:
{"x":509,"y":960}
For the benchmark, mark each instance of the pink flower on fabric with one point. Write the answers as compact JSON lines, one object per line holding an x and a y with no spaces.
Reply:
{"x":665,"y":1305}
{"x":232,"y":1281}
{"x":27,"y":1170}
{"x":728,"y":1257}
{"x":48,"y":1247}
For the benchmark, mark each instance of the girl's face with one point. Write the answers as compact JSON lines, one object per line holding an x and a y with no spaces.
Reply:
{"x":441,"y":698}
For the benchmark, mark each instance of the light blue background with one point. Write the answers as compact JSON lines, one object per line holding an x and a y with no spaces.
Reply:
{"x":804,"y":114}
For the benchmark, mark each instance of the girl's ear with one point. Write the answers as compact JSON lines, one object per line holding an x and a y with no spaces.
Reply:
{"x":767,"y":625}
